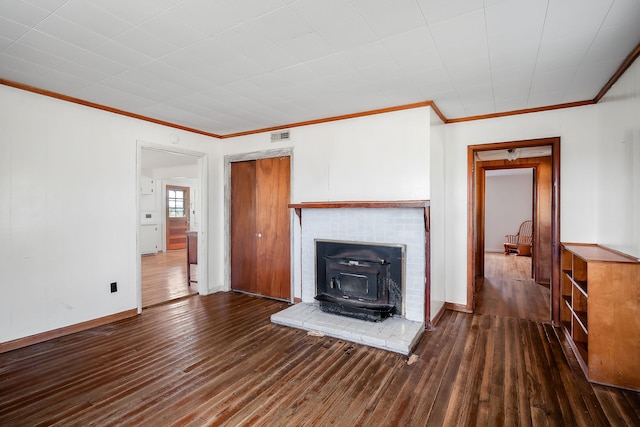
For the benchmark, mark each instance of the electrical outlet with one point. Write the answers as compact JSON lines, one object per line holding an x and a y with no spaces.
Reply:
{"x":114,"y":287}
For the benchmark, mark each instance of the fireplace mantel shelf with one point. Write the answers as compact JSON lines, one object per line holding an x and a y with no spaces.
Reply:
{"x":423,"y":204}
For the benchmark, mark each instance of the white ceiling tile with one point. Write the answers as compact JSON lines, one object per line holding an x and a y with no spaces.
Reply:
{"x":551,"y":81}
{"x":246,"y":39}
{"x":82,"y":72}
{"x":237,"y":64}
{"x":280,"y":26}
{"x":563,"y":21}
{"x":70,"y":32}
{"x":12,"y":30}
{"x":36,"y":56}
{"x":622,"y":14}
{"x":39,"y":76}
{"x":4,"y":43}
{"x":562,"y":53}
{"x":545,"y":98}
{"x":135,"y":12}
{"x":441,"y":10}
{"x":119,"y":53}
{"x":207,"y":16}
{"x":51,"y":45}
{"x":389,"y":18}
{"x":129,"y":86}
{"x":514,"y":86}
{"x":110,"y":97}
{"x":48,"y":5}
{"x":92,"y":17}
{"x":145,"y":43}
{"x":412,"y":43}
{"x":510,"y":104}
{"x":307,"y":47}
{"x":461,"y":39}
{"x":98,"y":62}
{"x":368,"y":55}
{"x":337,"y":21}
{"x":172,"y":31}
{"x":478,"y":107}
{"x":22,"y":12}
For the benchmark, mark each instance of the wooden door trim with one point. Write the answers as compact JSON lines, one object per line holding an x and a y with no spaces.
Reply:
{"x":472,"y":215}
{"x":241,"y":157}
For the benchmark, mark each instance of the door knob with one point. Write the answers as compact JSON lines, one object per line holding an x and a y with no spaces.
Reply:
{"x":259,"y":234}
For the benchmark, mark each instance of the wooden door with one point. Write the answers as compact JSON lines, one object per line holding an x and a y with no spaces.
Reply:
{"x":260,"y":228}
{"x":177,"y":217}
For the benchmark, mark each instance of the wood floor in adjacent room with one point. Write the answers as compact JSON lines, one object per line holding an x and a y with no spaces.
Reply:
{"x":217,"y":360}
{"x":164,"y":277}
{"x":508,"y":290}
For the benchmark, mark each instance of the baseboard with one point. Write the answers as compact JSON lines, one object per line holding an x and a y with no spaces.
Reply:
{"x":438,"y":316}
{"x":67,"y":330}
{"x":457,"y":307}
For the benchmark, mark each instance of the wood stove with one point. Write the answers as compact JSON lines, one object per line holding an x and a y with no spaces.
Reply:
{"x":361,"y":280}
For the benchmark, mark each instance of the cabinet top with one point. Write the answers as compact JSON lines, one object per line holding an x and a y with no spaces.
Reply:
{"x":596,"y":253}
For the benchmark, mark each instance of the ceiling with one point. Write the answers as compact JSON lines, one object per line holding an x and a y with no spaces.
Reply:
{"x":157,"y":159}
{"x":229,"y":66}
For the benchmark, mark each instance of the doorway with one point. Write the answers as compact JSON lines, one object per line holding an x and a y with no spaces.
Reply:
{"x":507,"y":287}
{"x":178,"y":190}
{"x":258,"y":223}
{"x":543,"y":156}
{"x":177,"y":216}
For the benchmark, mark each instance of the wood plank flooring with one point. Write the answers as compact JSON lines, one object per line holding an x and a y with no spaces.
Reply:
{"x":508,"y":290}
{"x":217,"y":360}
{"x":164,"y":278}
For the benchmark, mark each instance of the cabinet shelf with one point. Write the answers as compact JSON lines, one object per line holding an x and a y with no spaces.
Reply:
{"x":599,"y":302}
{"x":582,"y":286}
{"x":581,"y":316}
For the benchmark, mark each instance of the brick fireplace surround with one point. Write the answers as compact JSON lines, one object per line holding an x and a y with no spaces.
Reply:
{"x":398,"y":222}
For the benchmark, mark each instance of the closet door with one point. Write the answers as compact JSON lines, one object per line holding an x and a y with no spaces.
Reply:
{"x":243,"y":227}
{"x":260,"y":227}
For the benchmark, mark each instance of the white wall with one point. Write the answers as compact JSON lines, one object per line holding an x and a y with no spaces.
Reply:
{"x":577,"y":129}
{"x":438,"y":198}
{"x":508,"y":202}
{"x":618,"y":151}
{"x":594,"y":181}
{"x":68,"y":211}
{"x":378,"y":157}
{"x":68,"y":191}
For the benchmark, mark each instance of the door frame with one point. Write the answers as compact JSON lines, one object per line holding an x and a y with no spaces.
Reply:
{"x":202,"y":267}
{"x":241,"y":157}
{"x":474,"y":230}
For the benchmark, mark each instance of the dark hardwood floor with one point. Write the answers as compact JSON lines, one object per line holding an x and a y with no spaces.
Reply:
{"x":217,"y":360}
{"x":164,"y":278}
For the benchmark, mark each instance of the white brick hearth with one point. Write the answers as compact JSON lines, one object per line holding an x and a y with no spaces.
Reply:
{"x":394,"y":334}
{"x":403,"y":225}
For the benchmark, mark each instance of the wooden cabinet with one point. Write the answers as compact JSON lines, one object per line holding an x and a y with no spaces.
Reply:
{"x":600,"y":312}
{"x":147,"y":185}
{"x":149,"y":239}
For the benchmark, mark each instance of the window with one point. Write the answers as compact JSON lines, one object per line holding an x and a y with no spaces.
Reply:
{"x":175,"y":201}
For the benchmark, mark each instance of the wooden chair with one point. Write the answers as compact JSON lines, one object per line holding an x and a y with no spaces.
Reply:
{"x":521,"y":242}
